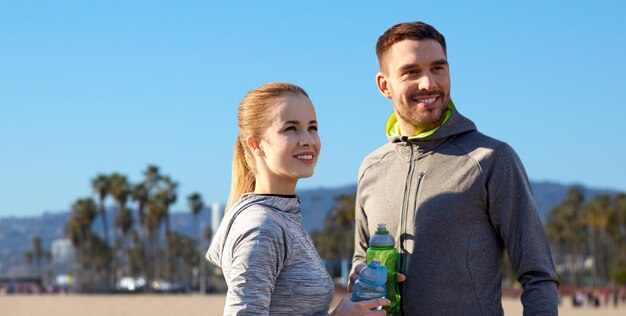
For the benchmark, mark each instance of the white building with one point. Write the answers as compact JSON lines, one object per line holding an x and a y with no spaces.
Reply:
{"x":217,"y":213}
{"x":63,"y":255}
{"x":62,"y":251}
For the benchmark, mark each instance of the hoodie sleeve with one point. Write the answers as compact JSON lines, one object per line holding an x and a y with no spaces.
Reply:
{"x":254,"y":255}
{"x":361,"y":231}
{"x":514,"y":215}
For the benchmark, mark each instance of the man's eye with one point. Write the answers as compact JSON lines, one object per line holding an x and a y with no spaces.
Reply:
{"x":313,"y":128}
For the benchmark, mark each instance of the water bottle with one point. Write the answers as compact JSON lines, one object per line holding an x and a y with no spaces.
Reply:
{"x":371,"y":283}
{"x":382,"y":246}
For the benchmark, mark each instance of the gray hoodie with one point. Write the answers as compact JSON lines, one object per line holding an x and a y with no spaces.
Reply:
{"x":455,"y":200}
{"x":269,"y":261}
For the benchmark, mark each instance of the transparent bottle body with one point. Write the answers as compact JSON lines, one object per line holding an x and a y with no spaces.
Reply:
{"x":364,"y":290}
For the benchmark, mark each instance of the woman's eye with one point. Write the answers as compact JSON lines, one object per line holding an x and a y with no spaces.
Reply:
{"x":290,"y":128}
{"x":313,"y":128}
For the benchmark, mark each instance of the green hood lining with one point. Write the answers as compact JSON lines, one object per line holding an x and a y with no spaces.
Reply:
{"x":393,"y":129}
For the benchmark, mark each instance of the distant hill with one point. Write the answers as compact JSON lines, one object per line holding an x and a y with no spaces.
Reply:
{"x":316,"y":203}
{"x":16,"y":233}
{"x":550,"y":194}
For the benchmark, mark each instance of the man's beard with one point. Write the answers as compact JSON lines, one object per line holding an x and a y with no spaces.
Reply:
{"x":426,"y":122}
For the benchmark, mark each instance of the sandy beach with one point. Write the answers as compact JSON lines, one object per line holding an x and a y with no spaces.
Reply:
{"x":188,"y":305}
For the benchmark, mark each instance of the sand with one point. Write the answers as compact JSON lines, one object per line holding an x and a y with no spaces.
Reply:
{"x":188,"y":305}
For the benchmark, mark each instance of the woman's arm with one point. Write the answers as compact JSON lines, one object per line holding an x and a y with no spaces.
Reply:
{"x":257,"y":256}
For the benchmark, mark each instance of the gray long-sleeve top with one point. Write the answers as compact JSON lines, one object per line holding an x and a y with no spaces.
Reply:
{"x":269,"y":261}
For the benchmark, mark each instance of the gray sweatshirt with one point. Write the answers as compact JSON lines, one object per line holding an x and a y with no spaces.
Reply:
{"x":269,"y":261}
{"x":455,"y":200}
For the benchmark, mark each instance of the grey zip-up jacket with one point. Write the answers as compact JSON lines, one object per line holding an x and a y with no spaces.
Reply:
{"x":269,"y":262}
{"x":456,"y":200}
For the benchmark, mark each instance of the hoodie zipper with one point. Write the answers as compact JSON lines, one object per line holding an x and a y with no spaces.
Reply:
{"x":405,"y":207}
{"x":404,"y":211}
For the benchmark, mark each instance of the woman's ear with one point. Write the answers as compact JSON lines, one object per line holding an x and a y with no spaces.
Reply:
{"x":254,"y":144}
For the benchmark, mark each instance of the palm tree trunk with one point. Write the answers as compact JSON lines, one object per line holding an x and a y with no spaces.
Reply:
{"x":144,"y":238}
{"x":105,"y":225}
{"x":105,"y":233}
{"x":168,"y":264}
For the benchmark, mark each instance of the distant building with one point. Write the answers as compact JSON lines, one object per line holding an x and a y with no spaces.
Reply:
{"x":63,"y":254}
{"x":217,"y":213}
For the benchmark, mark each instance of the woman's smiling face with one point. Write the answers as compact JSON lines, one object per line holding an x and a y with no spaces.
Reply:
{"x":291,"y":144}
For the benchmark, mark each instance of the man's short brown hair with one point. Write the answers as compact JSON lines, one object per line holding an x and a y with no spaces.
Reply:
{"x":403,"y":31}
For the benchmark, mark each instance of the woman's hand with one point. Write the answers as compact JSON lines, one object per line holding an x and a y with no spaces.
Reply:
{"x":348,"y":308}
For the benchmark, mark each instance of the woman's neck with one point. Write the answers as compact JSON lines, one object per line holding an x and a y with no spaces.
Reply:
{"x":275,"y":187}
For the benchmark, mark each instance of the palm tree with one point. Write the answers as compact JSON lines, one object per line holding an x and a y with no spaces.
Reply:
{"x":342,"y":214}
{"x":78,"y":230}
{"x":567,"y":231}
{"x":152,"y":222}
{"x":137,"y":255}
{"x":151,"y":178}
{"x":335,"y":241}
{"x":195,"y":205}
{"x":124,"y":223}
{"x":168,"y":197}
{"x":150,"y":212}
{"x":101,"y":184}
{"x":140,"y":195}
{"x":619,"y":236}
{"x":597,"y":217}
{"x":119,"y":189}
{"x":184,"y":256}
{"x":207,"y":234}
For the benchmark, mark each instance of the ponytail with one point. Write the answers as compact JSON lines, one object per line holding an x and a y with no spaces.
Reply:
{"x":243,"y":179}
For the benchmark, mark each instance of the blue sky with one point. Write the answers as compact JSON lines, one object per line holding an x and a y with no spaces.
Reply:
{"x":92,"y":87}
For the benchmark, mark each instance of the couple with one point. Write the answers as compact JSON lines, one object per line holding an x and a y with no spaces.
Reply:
{"x":454,"y":198}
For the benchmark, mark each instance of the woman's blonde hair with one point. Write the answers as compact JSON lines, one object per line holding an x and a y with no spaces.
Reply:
{"x":253,"y":118}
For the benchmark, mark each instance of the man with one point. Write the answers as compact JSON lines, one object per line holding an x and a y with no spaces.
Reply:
{"x":455,"y":198}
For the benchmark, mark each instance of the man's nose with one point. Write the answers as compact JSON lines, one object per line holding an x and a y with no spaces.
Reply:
{"x":426,"y":82}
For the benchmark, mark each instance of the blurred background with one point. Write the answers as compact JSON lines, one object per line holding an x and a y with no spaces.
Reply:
{"x":117,"y":124}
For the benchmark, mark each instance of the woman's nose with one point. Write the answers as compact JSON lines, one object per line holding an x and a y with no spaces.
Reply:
{"x":306,"y":139}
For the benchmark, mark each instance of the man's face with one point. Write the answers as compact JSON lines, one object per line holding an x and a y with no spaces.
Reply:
{"x":417,"y":79}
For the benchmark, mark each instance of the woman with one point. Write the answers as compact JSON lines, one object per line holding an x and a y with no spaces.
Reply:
{"x":268,"y":259}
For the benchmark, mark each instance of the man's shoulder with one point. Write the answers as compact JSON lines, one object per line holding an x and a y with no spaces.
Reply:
{"x":487,"y":151}
{"x":379,"y":155}
{"x":476,"y":142}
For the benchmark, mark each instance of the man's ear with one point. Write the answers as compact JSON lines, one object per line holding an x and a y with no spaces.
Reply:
{"x":381,"y":83}
{"x":254,"y":143}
